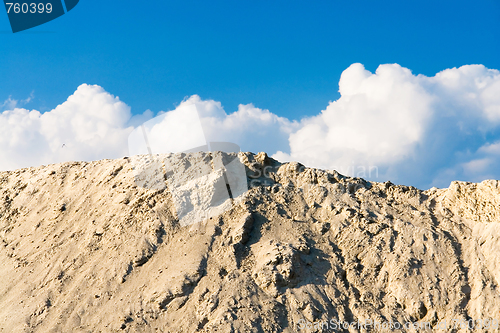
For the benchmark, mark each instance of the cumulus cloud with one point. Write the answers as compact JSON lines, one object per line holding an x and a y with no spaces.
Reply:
{"x":425,"y":131}
{"x":388,"y":125}
{"x":90,"y":125}
{"x":93,"y":124}
{"x":252,"y":128}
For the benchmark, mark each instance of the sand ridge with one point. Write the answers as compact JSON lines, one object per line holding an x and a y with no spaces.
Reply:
{"x":84,"y":249}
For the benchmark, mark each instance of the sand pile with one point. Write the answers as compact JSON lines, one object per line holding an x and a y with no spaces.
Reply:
{"x":84,"y":249}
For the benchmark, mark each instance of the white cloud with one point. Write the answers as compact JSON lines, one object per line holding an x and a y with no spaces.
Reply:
{"x":90,"y":125}
{"x":252,"y":128}
{"x":93,"y":124}
{"x":476,"y":166}
{"x":388,"y":125}
{"x":9,"y":104}
{"x":414,"y":129}
{"x":378,"y":119}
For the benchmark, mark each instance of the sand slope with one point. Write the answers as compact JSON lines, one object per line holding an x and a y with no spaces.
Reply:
{"x":86,"y":250}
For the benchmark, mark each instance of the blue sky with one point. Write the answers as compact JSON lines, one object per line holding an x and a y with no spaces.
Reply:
{"x":285,"y":56}
{"x":409,"y":87}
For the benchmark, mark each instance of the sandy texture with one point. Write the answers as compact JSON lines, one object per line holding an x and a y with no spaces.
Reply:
{"x":86,"y":250}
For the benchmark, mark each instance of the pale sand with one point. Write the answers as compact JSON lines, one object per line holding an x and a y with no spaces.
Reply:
{"x":86,"y":250}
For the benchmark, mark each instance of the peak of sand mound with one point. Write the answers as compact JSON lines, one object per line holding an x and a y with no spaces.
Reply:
{"x":85,"y":249}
